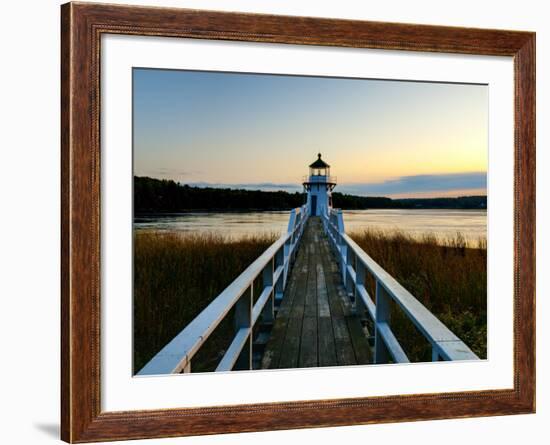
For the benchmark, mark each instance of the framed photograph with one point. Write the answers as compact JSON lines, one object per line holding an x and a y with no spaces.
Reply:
{"x":274,"y":222}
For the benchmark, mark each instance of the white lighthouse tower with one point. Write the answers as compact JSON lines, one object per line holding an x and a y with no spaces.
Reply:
{"x":318,"y":186}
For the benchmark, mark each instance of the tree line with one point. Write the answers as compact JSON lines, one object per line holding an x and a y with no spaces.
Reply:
{"x":167,"y":196}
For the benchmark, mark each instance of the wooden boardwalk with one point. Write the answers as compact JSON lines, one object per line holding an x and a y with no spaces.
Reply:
{"x":315,"y":324}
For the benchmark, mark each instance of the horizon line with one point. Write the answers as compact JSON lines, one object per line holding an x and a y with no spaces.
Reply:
{"x":296,"y":188}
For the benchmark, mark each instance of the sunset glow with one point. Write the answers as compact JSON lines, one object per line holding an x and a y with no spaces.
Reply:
{"x":381,"y":138}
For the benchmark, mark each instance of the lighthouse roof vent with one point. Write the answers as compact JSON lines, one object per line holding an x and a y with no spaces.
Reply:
{"x":319,"y":163}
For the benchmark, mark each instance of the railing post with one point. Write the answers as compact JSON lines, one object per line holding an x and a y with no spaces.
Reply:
{"x":328,"y":227}
{"x":286,"y":261}
{"x":334,"y":228}
{"x":343,"y":259}
{"x":279,"y":286}
{"x":243,"y":319}
{"x":288,"y":243}
{"x":340,"y":222}
{"x":267,"y":278}
{"x":291,"y":221}
{"x":382,"y":316}
{"x":343,"y":246}
{"x":297,"y":231}
{"x":350,"y":260}
{"x":359,"y":281}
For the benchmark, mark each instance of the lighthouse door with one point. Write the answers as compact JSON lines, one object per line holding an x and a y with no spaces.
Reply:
{"x":313,"y":210}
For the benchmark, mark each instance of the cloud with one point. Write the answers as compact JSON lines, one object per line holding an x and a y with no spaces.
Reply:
{"x":168,"y":173}
{"x":265,"y":186}
{"x":440,"y":184}
{"x":418,"y":184}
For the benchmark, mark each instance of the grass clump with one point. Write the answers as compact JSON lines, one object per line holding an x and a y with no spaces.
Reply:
{"x":447,"y":275}
{"x":175,"y":277}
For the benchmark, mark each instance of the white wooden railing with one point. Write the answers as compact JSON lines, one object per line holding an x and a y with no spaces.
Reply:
{"x":320,"y":179}
{"x":354,"y":265}
{"x":274,"y":265}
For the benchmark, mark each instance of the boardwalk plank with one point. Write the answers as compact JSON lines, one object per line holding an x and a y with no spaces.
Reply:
{"x":272,"y":353}
{"x":344,"y":347}
{"x":325,"y":332}
{"x":290,"y":348}
{"x":359,"y":341}
{"x":327,"y":346}
{"x":308,"y":343}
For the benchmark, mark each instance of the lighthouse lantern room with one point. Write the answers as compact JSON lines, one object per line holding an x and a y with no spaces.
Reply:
{"x":318,"y":186}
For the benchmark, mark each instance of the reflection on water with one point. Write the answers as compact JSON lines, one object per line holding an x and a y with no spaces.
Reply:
{"x":472,"y":224}
{"x":443,"y":223}
{"x":234,"y":224}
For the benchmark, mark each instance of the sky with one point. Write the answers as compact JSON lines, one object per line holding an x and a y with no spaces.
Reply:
{"x":261,"y":131}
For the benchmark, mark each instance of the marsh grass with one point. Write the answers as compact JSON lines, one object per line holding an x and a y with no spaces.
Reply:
{"x":448,"y":275}
{"x":175,"y":277}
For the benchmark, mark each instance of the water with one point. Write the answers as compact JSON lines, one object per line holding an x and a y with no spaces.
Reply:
{"x":472,"y":224}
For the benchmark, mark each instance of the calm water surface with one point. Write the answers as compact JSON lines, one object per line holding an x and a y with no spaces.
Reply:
{"x":472,"y":224}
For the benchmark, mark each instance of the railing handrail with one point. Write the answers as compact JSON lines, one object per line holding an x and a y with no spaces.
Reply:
{"x":313,"y":178}
{"x":445,"y":344}
{"x":176,"y":356}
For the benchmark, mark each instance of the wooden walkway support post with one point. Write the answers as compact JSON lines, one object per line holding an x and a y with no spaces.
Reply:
{"x":383,"y":314}
{"x":243,"y":325}
{"x":292,"y":220}
{"x":267,"y":281}
{"x":360,"y":308}
{"x":280,"y":282}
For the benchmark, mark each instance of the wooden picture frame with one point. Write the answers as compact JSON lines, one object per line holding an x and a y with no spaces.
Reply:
{"x":82,"y":26}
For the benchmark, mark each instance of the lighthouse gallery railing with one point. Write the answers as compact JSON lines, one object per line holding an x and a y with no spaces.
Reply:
{"x":274,"y":265}
{"x":354,"y":265}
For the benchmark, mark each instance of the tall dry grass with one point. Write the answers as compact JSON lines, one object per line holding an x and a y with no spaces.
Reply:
{"x":449,"y":276}
{"x":175,"y":277}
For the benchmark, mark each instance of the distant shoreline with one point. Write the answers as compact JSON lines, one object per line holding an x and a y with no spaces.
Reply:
{"x":155,"y":197}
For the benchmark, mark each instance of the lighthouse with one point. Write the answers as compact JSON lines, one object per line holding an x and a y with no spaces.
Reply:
{"x":318,"y":186}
